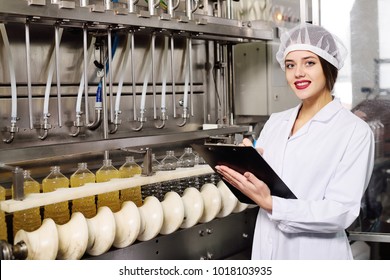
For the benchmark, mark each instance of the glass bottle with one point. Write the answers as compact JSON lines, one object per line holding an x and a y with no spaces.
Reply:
{"x":187,"y":159}
{"x":3,"y":224}
{"x":29,"y":219}
{"x":59,"y":212}
{"x":129,"y":169}
{"x":199,"y":160}
{"x":80,"y":177}
{"x":155,"y":163}
{"x":169,"y":162}
{"x":105,"y":174}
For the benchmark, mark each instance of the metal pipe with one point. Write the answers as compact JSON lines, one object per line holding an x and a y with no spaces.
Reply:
{"x":170,"y":8}
{"x":58,"y":74}
{"x":316,"y":15}
{"x":172,"y":46}
{"x":130,"y":6}
{"x":109,"y":43}
{"x":191,"y":76}
{"x":218,"y":80}
{"x":85,"y":46}
{"x":188,"y":9}
{"x":153,"y":50}
{"x":105,"y":109}
{"x":196,"y":6}
{"x":17,"y":180}
{"x":303,"y":8}
{"x":28,"y":65}
{"x":117,"y":121}
{"x":133,"y":81}
{"x":13,"y":128}
{"x":176,"y":5}
{"x":98,"y":120}
{"x":84,"y":3}
{"x":151,"y":7}
{"x":163,"y":116}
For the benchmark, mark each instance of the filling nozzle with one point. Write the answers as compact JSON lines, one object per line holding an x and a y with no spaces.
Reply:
{"x":78,"y":123}
{"x":45,"y":126}
{"x":12,"y":130}
{"x":163,"y":118}
{"x":141,"y":119}
{"x":116,"y":122}
{"x":185,"y":117}
{"x":98,"y":103}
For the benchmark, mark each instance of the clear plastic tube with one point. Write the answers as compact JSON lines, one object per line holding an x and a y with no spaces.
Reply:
{"x":145,"y":84}
{"x":122,"y":76}
{"x":165,"y":74}
{"x":14,"y":111}
{"x":186,"y":80}
{"x":84,"y":86}
{"x":49,"y":80}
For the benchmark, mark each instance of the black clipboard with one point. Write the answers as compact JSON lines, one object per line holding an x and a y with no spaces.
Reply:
{"x":242,"y":159}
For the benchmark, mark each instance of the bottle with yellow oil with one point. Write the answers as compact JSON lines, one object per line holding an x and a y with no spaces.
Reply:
{"x":30,"y":219}
{"x":105,"y":174}
{"x":85,"y":205}
{"x":129,"y":169}
{"x":3,"y":224}
{"x":59,"y":212}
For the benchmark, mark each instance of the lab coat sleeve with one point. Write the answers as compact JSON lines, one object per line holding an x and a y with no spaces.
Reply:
{"x":340,"y":205}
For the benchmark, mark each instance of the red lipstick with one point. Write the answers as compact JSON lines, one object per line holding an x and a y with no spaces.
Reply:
{"x":302,"y":84}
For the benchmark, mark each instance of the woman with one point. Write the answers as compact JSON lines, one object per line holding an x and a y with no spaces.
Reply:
{"x":322,"y":151}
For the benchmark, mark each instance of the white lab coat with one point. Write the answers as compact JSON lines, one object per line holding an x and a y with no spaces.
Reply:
{"x":327,"y":164}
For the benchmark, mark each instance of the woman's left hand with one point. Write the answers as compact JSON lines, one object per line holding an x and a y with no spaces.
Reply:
{"x":249,"y":185}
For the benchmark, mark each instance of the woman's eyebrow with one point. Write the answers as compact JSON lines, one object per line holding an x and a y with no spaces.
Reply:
{"x":303,"y":58}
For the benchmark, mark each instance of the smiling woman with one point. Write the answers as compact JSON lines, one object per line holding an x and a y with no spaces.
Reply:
{"x":323,"y":152}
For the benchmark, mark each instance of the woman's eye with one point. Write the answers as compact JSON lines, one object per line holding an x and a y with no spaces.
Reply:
{"x":289,"y":65}
{"x":310,"y":63}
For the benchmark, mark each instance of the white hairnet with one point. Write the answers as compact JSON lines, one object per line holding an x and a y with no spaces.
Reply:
{"x":314,"y":38}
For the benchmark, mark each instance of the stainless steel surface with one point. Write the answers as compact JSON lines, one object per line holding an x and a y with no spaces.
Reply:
{"x":233,"y":29}
{"x":369,"y":237}
{"x":203,"y":241}
{"x":16,"y":155}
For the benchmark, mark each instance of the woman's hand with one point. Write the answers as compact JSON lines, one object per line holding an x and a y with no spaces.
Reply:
{"x":248,"y":143}
{"x":249,"y":185}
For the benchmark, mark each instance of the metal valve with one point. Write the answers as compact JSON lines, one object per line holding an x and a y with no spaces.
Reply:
{"x":13,"y":252}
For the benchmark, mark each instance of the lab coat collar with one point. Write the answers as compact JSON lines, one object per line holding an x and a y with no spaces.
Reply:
{"x":323,"y":115}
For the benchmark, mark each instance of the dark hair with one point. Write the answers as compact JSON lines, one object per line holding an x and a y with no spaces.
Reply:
{"x":330,"y":73}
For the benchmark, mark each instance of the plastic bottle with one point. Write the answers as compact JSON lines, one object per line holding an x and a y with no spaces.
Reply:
{"x":59,"y":212}
{"x":128,"y":170}
{"x":169,"y":162}
{"x":30,"y":219}
{"x":3,"y":224}
{"x":104,"y":174}
{"x":187,"y":159}
{"x":80,"y":177}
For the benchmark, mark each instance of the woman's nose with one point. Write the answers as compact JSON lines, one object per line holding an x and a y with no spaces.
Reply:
{"x":299,"y":71}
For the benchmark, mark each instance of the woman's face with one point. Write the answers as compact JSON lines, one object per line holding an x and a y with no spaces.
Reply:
{"x":304,"y":74}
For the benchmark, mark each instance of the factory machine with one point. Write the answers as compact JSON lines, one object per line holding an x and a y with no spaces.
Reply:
{"x":89,"y":82}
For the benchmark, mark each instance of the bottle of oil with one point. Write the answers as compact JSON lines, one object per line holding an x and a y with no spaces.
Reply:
{"x":128,"y":170}
{"x":3,"y":224}
{"x":29,"y":219}
{"x":85,"y":205}
{"x":104,"y":174}
{"x":59,"y":212}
